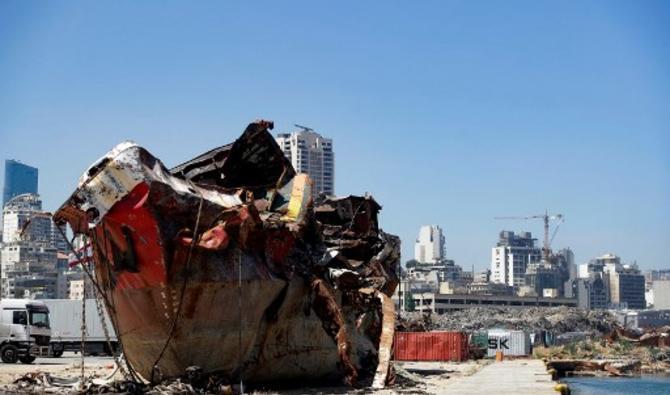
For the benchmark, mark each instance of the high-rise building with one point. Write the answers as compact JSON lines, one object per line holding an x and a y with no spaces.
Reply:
{"x":627,"y":288}
{"x":565,"y":260}
{"x":432,"y":268}
{"x":548,"y":277}
{"x":311,"y":153}
{"x":26,"y":264}
{"x":511,"y":256}
{"x":544,"y":277}
{"x":24,"y":220}
{"x":429,"y":246}
{"x":625,"y":283}
{"x":29,"y":253}
{"x":591,"y":293}
{"x":19,"y":179}
{"x":599,"y":264}
{"x":661,"y":292}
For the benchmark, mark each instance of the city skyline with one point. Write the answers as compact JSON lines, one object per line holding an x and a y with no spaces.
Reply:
{"x":448,"y":121}
{"x":424,"y":228}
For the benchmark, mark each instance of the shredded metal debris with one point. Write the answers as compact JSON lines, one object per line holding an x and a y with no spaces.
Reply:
{"x":230,"y":263}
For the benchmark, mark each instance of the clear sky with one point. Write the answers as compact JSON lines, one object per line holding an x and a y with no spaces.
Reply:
{"x":448,"y":112}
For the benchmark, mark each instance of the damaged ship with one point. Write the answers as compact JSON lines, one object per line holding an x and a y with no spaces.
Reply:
{"x":230,"y":262}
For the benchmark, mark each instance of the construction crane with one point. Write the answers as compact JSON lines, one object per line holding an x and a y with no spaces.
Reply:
{"x":546,"y":217}
{"x":304,"y":128}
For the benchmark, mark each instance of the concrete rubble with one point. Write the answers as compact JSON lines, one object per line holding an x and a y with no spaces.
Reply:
{"x":573,"y":341}
{"x":558,"y":320}
{"x":621,"y":352}
{"x":194,"y":381}
{"x":653,"y":337}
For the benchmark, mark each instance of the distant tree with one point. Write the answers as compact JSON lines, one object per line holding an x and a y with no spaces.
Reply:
{"x":409,"y":302}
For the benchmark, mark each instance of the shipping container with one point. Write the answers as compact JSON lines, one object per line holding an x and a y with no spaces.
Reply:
{"x":478,"y":344}
{"x":479,"y":339}
{"x":431,"y":346}
{"x":511,"y":343}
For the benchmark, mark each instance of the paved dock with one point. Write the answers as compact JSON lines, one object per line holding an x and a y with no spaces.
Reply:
{"x":520,"y":376}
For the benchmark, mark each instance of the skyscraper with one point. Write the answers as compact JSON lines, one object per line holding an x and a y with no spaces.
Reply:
{"x":429,"y":246}
{"x":29,"y":252}
{"x":19,"y":179}
{"x":311,"y":153}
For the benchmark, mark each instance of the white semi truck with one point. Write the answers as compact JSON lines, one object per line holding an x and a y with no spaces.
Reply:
{"x":24,"y":330}
{"x":66,"y":318}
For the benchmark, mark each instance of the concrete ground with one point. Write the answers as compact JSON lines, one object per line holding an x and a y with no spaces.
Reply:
{"x":69,"y":365}
{"x":523,"y":376}
{"x":520,"y":376}
{"x":411,"y":378}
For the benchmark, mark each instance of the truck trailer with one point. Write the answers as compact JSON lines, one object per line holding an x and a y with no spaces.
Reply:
{"x":66,"y":320}
{"x":24,"y":330}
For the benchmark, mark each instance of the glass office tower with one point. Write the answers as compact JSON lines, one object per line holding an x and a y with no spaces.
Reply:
{"x":19,"y":179}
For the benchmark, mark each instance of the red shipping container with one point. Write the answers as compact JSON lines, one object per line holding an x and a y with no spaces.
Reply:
{"x":431,"y":346}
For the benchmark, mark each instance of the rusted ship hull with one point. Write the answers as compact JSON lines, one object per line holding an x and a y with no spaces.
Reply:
{"x":226,"y":263}
{"x":293,"y":346}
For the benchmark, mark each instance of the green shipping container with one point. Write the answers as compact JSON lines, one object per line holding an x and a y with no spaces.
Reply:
{"x":479,"y":340}
{"x":478,"y":344}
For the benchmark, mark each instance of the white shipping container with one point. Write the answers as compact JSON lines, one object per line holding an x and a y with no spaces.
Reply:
{"x":512,"y":343}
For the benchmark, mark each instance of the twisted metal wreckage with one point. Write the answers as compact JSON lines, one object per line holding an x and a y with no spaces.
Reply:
{"x":226,"y":262}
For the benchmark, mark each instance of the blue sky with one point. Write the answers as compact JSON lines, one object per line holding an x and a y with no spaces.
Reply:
{"x":449,"y":112}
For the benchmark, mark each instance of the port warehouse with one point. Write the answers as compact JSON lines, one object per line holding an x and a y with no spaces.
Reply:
{"x":459,"y":346}
{"x":442,"y":303}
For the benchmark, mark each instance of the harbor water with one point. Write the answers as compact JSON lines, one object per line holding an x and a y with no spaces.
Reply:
{"x":645,"y":385}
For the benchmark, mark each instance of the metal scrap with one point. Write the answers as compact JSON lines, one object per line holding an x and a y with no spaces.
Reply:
{"x":228,"y":262}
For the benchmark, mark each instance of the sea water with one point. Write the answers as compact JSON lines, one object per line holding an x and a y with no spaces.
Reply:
{"x":645,"y":385}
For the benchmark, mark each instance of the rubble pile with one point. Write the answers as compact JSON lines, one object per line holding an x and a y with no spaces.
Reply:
{"x":45,"y":382}
{"x":194,"y":381}
{"x":598,"y":357}
{"x":622,"y":352}
{"x":655,"y":337}
{"x":614,"y":368}
{"x":557,"y":320}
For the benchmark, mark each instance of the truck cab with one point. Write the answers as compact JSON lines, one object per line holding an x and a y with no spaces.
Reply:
{"x":24,"y":330}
